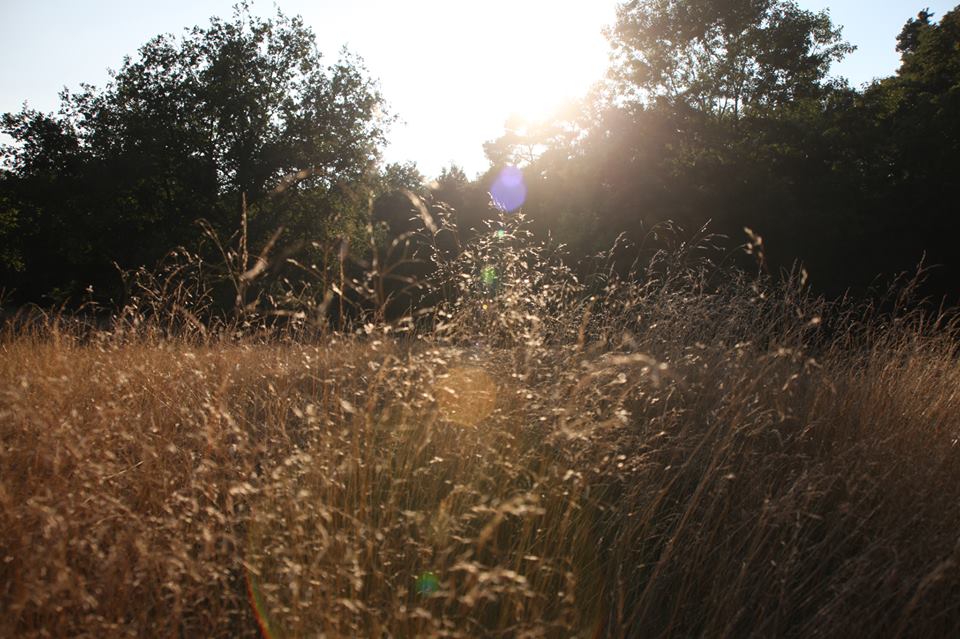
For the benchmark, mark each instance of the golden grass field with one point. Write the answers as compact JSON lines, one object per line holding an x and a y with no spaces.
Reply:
{"x":666,"y":460}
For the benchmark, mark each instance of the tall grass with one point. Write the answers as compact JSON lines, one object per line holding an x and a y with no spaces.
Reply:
{"x":681,"y":451}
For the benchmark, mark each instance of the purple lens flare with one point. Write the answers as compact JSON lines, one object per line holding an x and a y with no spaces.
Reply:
{"x":509,"y":191}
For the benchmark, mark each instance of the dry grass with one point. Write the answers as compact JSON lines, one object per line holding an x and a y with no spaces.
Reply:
{"x":653,"y":456}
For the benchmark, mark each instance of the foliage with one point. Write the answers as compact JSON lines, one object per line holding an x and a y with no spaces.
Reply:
{"x":242,"y":107}
{"x":721,"y":57}
{"x":723,"y":112}
{"x":716,"y":111}
{"x":491,"y":439}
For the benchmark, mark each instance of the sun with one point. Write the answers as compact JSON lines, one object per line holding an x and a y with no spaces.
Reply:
{"x":555,"y":53}
{"x":545,"y":54}
{"x":455,"y":72}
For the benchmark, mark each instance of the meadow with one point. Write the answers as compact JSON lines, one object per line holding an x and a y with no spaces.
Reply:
{"x":683,"y":450}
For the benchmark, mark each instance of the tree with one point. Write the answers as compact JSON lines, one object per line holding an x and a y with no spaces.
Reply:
{"x":242,"y":108}
{"x":393,"y":207}
{"x":908,"y":128}
{"x":712,"y":112}
{"x":722,"y":57}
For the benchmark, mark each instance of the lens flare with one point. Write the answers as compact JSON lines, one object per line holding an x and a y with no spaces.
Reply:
{"x":259,"y":606}
{"x":466,"y":396}
{"x":427,"y":583}
{"x":488,"y":275}
{"x":509,"y":191}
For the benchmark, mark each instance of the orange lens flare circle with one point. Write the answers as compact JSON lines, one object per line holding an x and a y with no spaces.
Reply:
{"x":466,"y":395}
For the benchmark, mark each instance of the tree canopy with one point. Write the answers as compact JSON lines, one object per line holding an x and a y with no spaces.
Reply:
{"x":243,"y":107}
{"x":717,"y":112}
{"x":722,"y":56}
{"x":724,"y":112}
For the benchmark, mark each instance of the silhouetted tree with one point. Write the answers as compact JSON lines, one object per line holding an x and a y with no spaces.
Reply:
{"x":721,"y":56}
{"x":241,"y":107}
{"x":707,"y":117}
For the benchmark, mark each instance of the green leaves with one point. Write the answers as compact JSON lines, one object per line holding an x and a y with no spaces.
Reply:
{"x":181,"y":131}
{"x":723,"y":57}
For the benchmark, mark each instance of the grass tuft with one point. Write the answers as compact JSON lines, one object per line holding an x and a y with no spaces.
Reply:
{"x":681,"y":451}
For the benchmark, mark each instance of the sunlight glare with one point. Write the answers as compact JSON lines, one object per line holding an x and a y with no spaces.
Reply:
{"x":455,"y":72}
{"x":466,"y":395}
{"x":550,"y":52}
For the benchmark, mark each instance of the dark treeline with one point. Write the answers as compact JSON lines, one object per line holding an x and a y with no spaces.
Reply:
{"x":721,"y":112}
{"x":240,"y":123}
{"x":724,"y":111}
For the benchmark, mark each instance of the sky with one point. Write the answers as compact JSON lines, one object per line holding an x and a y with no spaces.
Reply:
{"x":452,"y":71}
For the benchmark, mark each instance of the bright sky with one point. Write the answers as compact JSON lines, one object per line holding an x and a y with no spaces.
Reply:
{"x":452,"y":70}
